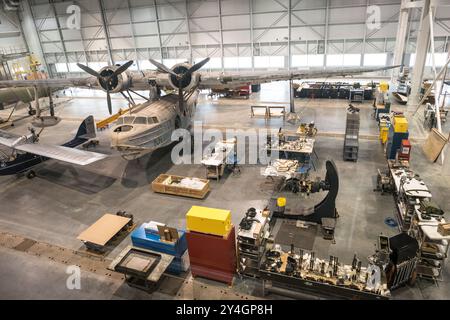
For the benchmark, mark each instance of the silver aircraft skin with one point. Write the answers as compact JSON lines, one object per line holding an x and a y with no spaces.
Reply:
{"x":150,"y":124}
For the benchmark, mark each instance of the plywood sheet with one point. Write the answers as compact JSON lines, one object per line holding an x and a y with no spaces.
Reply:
{"x":104,"y":229}
{"x":434,"y":145}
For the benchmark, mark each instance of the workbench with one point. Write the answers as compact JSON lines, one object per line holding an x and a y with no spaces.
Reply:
{"x":289,"y":149}
{"x":103,"y":230}
{"x":222,"y":155}
{"x":281,"y":168}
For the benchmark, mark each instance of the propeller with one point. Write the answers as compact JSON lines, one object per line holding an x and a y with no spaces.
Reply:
{"x":105,"y":80}
{"x":181,"y":76}
{"x":163,"y":68}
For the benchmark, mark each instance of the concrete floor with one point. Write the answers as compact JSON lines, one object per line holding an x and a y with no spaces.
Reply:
{"x":64,"y":200}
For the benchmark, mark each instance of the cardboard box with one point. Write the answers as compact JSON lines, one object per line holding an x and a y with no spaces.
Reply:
{"x":444,"y":229}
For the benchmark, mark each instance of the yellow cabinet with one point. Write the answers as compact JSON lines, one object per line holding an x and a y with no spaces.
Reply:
{"x":208,"y":220}
{"x":400,"y":124}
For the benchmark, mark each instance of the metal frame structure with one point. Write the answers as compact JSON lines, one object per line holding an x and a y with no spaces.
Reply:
{"x":179,"y":29}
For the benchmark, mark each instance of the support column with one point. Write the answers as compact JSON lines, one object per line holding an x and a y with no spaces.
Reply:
{"x":31,"y":34}
{"x":400,"y":42}
{"x":423,"y":41}
{"x":222,"y":52}
{"x":289,"y":35}
{"x":252,"y":43}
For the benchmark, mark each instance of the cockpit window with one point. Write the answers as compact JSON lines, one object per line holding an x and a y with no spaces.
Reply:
{"x":128,"y":120}
{"x":123,"y":128}
{"x":152,"y":120}
{"x":119,"y":121}
{"x":140,"y":120}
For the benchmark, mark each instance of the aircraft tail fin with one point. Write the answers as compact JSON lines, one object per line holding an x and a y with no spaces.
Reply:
{"x":87,"y":129}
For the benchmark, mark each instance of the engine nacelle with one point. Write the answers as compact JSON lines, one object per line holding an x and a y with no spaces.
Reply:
{"x":116,"y":84}
{"x":189,"y":82}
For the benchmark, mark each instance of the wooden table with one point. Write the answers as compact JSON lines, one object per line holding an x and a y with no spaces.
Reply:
{"x":103,"y":230}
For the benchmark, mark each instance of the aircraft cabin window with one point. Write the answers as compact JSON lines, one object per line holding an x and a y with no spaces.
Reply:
{"x":140,"y":120}
{"x":128,"y":120}
{"x":152,"y":120}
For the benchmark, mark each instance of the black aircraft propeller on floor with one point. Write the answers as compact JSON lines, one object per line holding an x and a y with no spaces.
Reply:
{"x":107,"y":78}
{"x":181,"y":76}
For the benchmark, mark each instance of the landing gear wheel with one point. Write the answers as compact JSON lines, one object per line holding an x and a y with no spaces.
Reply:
{"x":31,"y":174}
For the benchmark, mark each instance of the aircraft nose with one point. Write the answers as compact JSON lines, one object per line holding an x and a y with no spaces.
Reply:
{"x":123,"y":128}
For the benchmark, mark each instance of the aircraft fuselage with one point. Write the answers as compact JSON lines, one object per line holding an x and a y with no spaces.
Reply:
{"x":151,"y":124}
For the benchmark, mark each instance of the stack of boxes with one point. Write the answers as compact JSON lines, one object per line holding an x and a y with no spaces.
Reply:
{"x":398,"y":131}
{"x":211,"y":243}
{"x":351,"y":142}
{"x":147,"y":237}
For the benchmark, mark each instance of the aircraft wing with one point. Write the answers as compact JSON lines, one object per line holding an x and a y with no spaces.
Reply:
{"x":211,"y":80}
{"x":61,"y":153}
{"x":51,"y":83}
{"x":8,"y":139}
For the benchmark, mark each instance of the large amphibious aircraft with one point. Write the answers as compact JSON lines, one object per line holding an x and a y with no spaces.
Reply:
{"x":150,"y":124}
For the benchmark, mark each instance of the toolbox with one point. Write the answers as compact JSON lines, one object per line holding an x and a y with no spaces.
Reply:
{"x":209,"y":220}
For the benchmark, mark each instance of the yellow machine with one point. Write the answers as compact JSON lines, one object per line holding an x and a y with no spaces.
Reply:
{"x":209,"y":220}
{"x":384,"y":86}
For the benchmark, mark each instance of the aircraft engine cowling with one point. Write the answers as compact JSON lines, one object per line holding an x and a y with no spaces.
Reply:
{"x":187,"y":82}
{"x":117,"y":83}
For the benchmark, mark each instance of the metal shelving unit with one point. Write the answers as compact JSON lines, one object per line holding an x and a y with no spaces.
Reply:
{"x":351,"y":142}
{"x":250,"y":245}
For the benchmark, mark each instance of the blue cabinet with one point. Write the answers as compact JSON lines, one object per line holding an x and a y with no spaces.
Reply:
{"x":153,"y":242}
{"x":394,"y":142}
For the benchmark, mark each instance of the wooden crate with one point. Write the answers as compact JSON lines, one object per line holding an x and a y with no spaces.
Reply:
{"x":158,"y":186}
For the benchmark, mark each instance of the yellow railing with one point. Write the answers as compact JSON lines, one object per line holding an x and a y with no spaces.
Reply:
{"x":102,"y":124}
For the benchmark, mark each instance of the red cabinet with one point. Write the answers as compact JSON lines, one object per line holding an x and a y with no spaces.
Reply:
{"x":212,"y":257}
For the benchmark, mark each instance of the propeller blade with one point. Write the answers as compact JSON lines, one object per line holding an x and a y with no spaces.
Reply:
{"x":88,"y":70}
{"x":123,"y":67}
{"x":180,"y":98}
{"x":194,"y":68}
{"x":163,"y":68}
{"x":108,"y":99}
{"x":197,"y":66}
